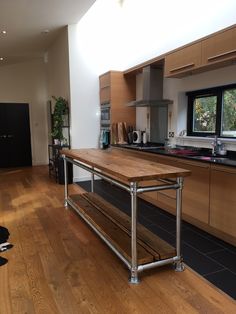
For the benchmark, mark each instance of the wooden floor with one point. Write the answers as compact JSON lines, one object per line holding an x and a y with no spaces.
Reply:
{"x":58,"y":265}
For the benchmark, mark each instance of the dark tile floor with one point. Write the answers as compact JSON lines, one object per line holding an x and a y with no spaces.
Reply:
{"x":207,"y":255}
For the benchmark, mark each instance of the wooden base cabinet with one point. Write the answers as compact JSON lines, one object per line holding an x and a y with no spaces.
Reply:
{"x":196,"y":190}
{"x":209,"y":195}
{"x":223,"y":200}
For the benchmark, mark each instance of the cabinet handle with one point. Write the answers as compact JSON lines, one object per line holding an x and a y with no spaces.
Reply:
{"x":221,"y":55}
{"x":183,"y":67}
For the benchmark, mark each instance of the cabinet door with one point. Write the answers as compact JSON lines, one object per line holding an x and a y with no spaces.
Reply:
{"x":105,"y":80}
{"x":223,"y":199}
{"x":105,"y":95}
{"x":183,"y":61}
{"x":196,"y":190}
{"x":105,"y":90}
{"x":167,"y":198}
{"x":122,"y":92}
{"x":219,"y":48}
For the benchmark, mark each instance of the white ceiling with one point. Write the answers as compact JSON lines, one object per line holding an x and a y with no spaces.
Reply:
{"x":26,"y":20}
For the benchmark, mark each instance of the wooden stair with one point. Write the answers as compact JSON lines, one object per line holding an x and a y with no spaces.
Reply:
{"x":115,"y":226}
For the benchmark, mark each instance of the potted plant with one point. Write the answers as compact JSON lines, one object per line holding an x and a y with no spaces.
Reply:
{"x":60,"y":110}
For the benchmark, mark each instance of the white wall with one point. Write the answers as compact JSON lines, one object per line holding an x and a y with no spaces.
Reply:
{"x":84,"y":89}
{"x":26,"y":83}
{"x":58,"y":67}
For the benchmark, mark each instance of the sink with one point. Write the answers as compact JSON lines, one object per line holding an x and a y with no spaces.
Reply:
{"x":213,"y":158}
{"x":183,"y":152}
{"x":142,"y":147}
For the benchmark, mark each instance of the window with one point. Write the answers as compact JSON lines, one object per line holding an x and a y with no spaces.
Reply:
{"x":212,"y":112}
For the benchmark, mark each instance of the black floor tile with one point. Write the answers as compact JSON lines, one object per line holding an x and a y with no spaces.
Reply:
{"x":85,"y":185}
{"x":163,"y":234}
{"x":227,"y":259}
{"x":198,"y":261}
{"x":142,"y":220}
{"x":224,"y":280}
{"x":198,"y":242}
{"x":209,"y":236}
{"x":163,"y":221}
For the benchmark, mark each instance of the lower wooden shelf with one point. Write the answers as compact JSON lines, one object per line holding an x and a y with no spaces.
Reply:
{"x":115,"y":227}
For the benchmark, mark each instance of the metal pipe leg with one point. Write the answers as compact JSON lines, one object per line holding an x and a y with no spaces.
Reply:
{"x":66,"y":181}
{"x":134,"y":264}
{"x":92,"y":182}
{"x":179,"y":266}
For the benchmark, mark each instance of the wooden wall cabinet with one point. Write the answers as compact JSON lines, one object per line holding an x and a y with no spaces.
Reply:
{"x":223,"y":199}
{"x":213,"y":52}
{"x":183,"y":61}
{"x":219,"y":48}
{"x":118,"y":90}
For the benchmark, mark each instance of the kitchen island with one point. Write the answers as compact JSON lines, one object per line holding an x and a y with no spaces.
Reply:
{"x":136,"y":246}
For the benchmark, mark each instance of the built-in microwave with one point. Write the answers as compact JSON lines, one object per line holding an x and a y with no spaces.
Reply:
{"x":105,"y":115}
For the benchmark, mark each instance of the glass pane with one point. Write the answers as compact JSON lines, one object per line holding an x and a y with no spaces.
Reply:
{"x":229,"y":113}
{"x":204,"y":114}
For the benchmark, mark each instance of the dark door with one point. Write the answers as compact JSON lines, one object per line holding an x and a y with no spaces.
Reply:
{"x":15,"y":135}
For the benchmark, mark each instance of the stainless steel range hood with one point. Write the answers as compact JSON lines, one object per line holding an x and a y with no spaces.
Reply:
{"x":152,"y":89}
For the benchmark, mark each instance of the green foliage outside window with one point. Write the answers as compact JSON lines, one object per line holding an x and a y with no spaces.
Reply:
{"x":208,"y":111}
{"x":229,"y":113}
{"x":205,"y":114}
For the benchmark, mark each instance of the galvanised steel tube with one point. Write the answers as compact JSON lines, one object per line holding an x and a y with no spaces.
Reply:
{"x":134,"y":262}
{"x":179,"y":264}
{"x":99,"y":174}
{"x":71,"y":203}
{"x":158,"y":263}
{"x":157,"y":188}
{"x":92,"y":182}
{"x":65,"y":180}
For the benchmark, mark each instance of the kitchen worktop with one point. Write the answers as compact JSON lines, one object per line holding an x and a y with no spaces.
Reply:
{"x":112,"y":163}
{"x":185,"y":152}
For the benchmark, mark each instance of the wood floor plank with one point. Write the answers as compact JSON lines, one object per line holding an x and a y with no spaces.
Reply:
{"x":59,"y":265}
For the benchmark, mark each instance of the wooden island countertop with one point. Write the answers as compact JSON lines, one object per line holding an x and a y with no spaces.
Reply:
{"x":124,"y":165}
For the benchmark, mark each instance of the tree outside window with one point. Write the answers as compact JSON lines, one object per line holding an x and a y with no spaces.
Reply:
{"x":212,"y":112}
{"x":229,"y":113}
{"x":204,"y":111}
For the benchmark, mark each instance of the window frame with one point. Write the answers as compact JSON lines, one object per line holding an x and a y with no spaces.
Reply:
{"x":214,"y":91}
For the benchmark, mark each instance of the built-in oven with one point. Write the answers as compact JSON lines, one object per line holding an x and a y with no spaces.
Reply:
{"x":105,"y":127}
{"x":105,"y":115}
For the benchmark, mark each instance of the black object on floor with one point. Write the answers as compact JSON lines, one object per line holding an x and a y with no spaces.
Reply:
{"x":5,"y":246}
{"x":4,"y":234}
{"x":3,"y":261}
{"x":209,"y":256}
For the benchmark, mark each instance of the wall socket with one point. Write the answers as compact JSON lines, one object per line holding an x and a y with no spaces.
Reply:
{"x":171,"y":134}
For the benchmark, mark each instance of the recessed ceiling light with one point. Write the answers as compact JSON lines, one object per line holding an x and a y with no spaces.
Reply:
{"x":1,"y":58}
{"x":4,"y":32}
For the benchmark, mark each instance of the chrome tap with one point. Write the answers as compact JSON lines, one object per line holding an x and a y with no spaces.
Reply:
{"x":215,"y":146}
